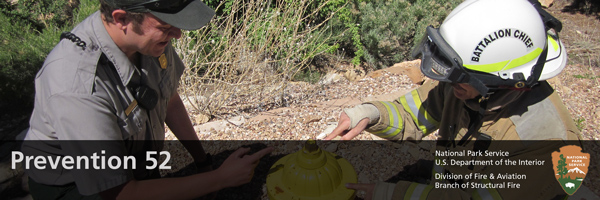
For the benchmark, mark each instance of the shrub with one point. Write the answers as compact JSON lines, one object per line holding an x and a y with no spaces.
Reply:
{"x":29,"y":31}
{"x":382,"y":32}
{"x":247,"y":58}
{"x":345,"y":25}
{"x":389,"y":28}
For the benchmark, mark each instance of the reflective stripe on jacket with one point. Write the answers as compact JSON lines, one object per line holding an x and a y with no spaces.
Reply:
{"x":532,"y":115}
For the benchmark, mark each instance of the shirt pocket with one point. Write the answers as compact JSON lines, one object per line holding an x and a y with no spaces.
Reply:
{"x":133,"y":125}
{"x":168,"y":80}
{"x":166,"y":86}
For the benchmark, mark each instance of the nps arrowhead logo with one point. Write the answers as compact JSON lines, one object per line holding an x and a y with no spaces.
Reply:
{"x":570,"y":167}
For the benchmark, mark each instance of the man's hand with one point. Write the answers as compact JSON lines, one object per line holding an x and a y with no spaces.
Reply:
{"x":343,"y":126}
{"x":367,"y":187}
{"x":238,"y":168}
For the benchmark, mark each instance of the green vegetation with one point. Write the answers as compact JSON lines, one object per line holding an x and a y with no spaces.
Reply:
{"x":249,"y":56}
{"x":380,"y":33}
{"x":586,"y":76}
{"x":389,"y":28}
{"x":579,"y":123}
{"x":375,"y":33}
{"x":274,"y":40}
{"x":308,"y":75}
{"x":30,"y":29}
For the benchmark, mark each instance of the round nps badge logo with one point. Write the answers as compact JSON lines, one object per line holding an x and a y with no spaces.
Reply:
{"x":570,"y":167}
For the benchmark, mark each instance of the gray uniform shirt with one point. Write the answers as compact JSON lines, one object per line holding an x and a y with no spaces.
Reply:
{"x":81,"y":98}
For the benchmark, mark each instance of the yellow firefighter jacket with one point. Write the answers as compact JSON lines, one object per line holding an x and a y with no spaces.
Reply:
{"x":525,"y":118}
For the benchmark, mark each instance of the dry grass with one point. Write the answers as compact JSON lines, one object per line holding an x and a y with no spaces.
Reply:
{"x":578,"y":86}
{"x":247,"y":59}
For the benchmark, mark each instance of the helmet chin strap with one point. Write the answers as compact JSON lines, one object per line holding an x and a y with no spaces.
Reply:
{"x":479,"y":86}
{"x":475,"y":79}
{"x":476,"y":119}
{"x":536,"y":71}
{"x":484,"y":91}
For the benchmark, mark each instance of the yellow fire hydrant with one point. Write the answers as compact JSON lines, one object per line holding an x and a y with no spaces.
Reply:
{"x":311,"y":174}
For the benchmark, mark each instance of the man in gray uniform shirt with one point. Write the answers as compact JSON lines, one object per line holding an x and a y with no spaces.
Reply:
{"x":114,"y":80}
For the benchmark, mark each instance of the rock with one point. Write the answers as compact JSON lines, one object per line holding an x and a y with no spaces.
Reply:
{"x":351,"y":72}
{"x":546,"y":3}
{"x":272,"y":114}
{"x":345,"y":70}
{"x":201,"y":118}
{"x":410,"y":68}
{"x":237,"y":121}
{"x":376,"y":74}
{"x":211,"y":127}
{"x":310,"y":119}
{"x":354,"y":74}
{"x":330,"y":77}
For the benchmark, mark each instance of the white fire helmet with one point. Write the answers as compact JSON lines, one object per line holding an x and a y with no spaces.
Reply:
{"x":493,"y":44}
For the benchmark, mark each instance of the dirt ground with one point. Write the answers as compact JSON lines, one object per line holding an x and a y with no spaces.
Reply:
{"x":314,"y":109}
{"x":579,"y":83}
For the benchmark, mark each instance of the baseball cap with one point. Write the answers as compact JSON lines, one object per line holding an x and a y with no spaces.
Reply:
{"x":183,"y":14}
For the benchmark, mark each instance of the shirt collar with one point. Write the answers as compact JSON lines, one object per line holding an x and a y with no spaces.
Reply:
{"x":124,"y":67}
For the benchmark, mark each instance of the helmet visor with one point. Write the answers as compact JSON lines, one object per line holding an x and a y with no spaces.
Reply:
{"x":438,"y":60}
